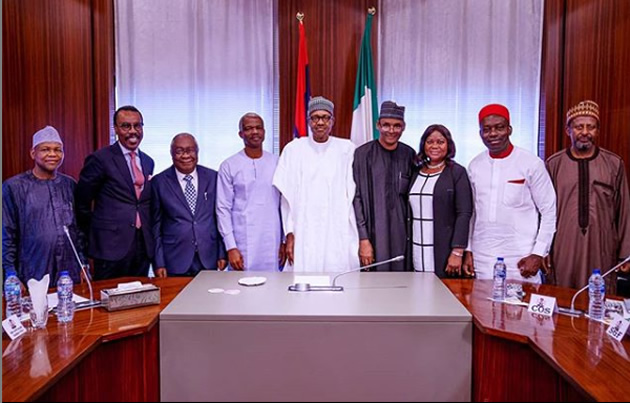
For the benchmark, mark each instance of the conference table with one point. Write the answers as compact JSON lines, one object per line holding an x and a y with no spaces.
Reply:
{"x":520,"y":356}
{"x":114,"y":356}
{"x":99,"y":356}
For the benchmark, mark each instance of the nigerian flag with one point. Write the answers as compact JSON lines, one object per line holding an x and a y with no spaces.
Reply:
{"x":365,"y":111}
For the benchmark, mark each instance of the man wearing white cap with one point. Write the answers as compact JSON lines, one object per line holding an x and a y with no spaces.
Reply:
{"x":314,"y":175}
{"x":36,"y":205}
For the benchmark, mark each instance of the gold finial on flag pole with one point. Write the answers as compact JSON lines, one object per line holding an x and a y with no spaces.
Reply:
{"x":372,"y":10}
{"x":299,"y":16}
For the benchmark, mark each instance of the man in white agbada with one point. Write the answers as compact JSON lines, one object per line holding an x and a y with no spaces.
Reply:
{"x":248,"y":206}
{"x":515,"y":204}
{"x":314,"y":175}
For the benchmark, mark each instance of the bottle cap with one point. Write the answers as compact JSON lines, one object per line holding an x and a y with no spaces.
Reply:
{"x":64,"y":273}
{"x":500,"y":259}
{"x":596,"y":271}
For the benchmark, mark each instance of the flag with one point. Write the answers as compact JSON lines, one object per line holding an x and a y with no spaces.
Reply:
{"x":303,"y":88}
{"x":365,"y":110}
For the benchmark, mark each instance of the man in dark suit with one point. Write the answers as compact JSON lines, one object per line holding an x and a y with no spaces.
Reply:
{"x":113,"y":199}
{"x":185,"y":228}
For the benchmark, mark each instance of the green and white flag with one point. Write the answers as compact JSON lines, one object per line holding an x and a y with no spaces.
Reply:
{"x":365,"y":111}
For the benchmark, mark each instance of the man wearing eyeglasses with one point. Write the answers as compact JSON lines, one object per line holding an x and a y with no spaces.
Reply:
{"x":593,"y":203}
{"x":382,"y":170}
{"x":183,"y":206}
{"x":113,"y":199}
{"x":515,"y":204}
{"x":314,"y":176}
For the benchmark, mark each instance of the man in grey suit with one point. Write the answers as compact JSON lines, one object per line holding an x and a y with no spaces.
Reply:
{"x":113,"y":200}
{"x":185,"y":228}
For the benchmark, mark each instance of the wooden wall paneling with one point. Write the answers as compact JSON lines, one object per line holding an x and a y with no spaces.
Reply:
{"x":616,"y":135}
{"x":597,"y":55}
{"x":551,"y":122}
{"x":334,"y":30}
{"x":104,"y":71}
{"x":13,"y":142}
{"x":47,"y":79}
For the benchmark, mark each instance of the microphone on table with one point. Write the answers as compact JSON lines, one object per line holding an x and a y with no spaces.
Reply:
{"x":576,"y":312}
{"x":86,"y":304}
{"x":333,"y":286}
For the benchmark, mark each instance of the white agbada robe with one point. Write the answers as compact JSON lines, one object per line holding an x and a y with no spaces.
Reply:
{"x":248,"y":209}
{"x":318,"y":188}
{"x":509,"y":194}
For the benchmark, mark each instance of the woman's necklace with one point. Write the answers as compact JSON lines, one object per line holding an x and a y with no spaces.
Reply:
{"x":436,"y":166}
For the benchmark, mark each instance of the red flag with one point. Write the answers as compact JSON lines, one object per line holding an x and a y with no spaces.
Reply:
{"x":303,"y":88}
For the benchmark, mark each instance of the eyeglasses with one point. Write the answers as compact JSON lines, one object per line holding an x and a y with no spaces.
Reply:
{"x":500,"y":128}
{"x":181,"y":151}
{"x":127,"y":126}
{"x":582,"y":127}
{"x":323,"y":118}
{"x":397,"y":127}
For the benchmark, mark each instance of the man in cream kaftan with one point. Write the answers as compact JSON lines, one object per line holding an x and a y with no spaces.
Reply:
{"x":314,"y":175}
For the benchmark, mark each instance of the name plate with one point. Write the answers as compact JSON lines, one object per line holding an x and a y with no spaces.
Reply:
{"x":542,"y":305}
{"x":13,"y":327}
{"x":618,"y":328}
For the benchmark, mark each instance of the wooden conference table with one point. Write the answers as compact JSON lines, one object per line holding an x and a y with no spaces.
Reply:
{"x":115,"y":356}
{"x":518,"y":356}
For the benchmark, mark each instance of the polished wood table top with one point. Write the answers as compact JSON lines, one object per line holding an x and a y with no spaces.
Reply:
{"x":36,"y":360}
{"x":578,"y":348}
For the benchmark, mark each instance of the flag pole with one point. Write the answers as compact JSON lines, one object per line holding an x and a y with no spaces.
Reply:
{"x":303,"y":86}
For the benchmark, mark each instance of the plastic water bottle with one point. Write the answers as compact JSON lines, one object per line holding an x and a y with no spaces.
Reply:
{"x":13,"y":294}
{"x":65,"y":305}
{"x":498,"y":285}
{"x":596,"y":292}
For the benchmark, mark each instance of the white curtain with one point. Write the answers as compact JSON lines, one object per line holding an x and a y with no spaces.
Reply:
{"x":197,"y":66}
{"x":445,"y":59}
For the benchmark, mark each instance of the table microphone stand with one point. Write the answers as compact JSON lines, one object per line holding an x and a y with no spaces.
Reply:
{"x":576,"y":312}
{"x":85,"y":304}
{"x":333,"y":287}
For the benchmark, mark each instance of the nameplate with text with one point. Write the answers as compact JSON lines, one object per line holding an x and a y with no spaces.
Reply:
{"x":13,"y":327}
{"x":542,"y":305}
{"x":618,"y":327}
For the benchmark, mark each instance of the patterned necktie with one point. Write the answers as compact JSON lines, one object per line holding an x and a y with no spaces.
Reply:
{"x":138,"y":182}
{"x":190,"y":193}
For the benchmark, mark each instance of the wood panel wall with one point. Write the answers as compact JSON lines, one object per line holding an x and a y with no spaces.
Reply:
{"x":586,"y":54}
{"x":334,"y":29}
{"x":58,"y":68}
{"x":56,"y":71}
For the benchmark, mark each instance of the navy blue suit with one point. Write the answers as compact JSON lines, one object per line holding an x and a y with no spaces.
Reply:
{"x":178,"y":233}
{"x":106,"y":206}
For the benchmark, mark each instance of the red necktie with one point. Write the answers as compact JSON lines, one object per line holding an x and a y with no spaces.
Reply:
{"x":138,"y":182}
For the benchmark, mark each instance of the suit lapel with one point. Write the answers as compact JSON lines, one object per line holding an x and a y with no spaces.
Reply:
{"x":146,"y":169}
{"x":204,"y":180}
{"x":121,"y":164}
{"x":176,"y":188}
